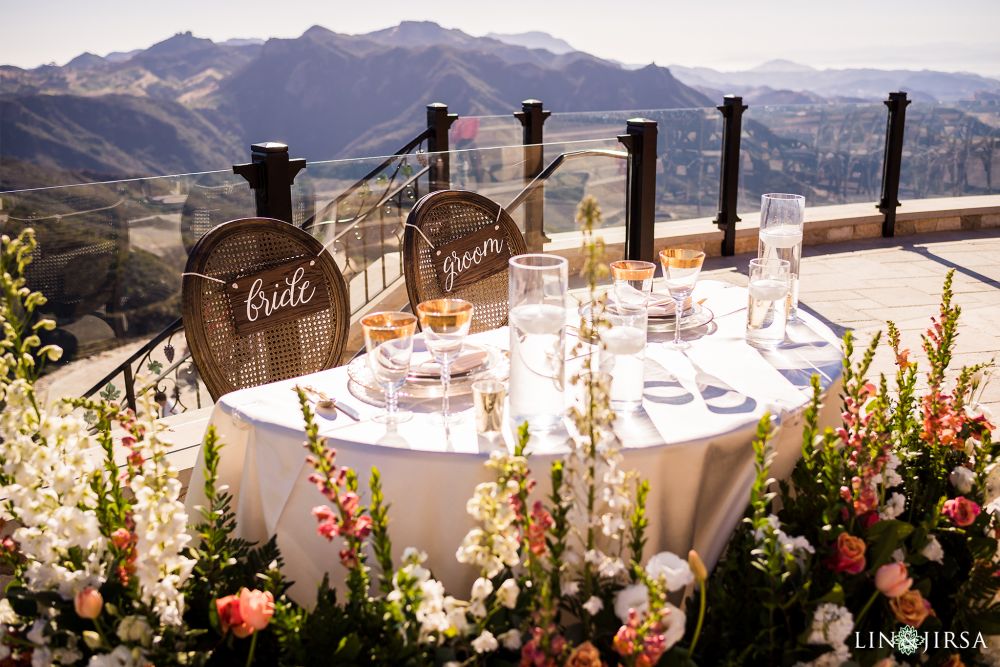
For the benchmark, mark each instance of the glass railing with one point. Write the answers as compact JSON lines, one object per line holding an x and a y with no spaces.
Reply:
{"x":951,"y":150}
{"x":830,"y":153}
{"x":688,"y":146}
{"x":364,"y":229}
{"x":110,"y":255}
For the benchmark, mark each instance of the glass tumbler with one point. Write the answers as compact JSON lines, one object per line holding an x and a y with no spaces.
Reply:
{"x":781,"y":219}
{"x":537,"y":317}
{"x":767,"y":311}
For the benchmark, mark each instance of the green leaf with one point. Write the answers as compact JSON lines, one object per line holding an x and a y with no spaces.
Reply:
{"x":885,"y":537}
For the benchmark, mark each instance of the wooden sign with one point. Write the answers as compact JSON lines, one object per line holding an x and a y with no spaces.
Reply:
{"x":471,"y":258}
{"x":280,"y":294}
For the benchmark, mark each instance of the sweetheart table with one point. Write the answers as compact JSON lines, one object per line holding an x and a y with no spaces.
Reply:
{"x":691,"y":440}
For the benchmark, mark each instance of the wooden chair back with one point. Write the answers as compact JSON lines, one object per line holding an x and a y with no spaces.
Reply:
{"x":443,"y":220}
{"x":263,"y":322}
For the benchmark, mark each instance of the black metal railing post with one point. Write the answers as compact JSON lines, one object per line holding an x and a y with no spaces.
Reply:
{"x":640,"y":192}
{"x":270,"y":174}
{"x":732,"y":109}
{"x":892,"y":160}
{"x":438,"y":123}
{"x":532,"y":116}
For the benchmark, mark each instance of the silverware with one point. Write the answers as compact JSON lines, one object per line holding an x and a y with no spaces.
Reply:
{"x":324,"y":401}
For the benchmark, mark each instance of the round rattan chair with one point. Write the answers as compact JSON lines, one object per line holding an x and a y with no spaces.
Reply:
{"x":227,"y":360}
{"x":445,"y":216}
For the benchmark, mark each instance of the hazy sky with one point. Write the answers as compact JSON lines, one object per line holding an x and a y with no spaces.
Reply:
{"x":727,"y":34}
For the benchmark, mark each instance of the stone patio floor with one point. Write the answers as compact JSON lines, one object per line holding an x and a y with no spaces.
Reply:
{"x":859,"y":285}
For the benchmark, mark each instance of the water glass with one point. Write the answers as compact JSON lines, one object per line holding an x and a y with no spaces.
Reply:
{"x":633,"y":281}
{"x":389,"y":343}
{"x":488,"y":397}
{"x":681,"y":267}
{"x":445,"y":324}
{"x":767,"y":312}
{"x":624,"y":355}
{"x":537,"y":317}
{"x":781,"y":218}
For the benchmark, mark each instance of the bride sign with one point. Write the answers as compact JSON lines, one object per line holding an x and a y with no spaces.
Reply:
{"x":471,"y":258}
{"x":280,"y":294}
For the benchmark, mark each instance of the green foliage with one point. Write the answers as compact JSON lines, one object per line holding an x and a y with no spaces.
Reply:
{"x":881,"y":479}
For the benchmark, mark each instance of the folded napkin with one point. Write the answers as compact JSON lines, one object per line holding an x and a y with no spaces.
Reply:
{"x":467,"y":361}
{"x":663,"y":306}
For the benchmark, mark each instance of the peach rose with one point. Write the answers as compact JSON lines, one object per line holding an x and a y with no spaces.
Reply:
{"x":891,"y":579}
{"x":911,"y":608}
{"x":88,"y":603}
{"x":256,"y":608}
{"x":585,"y":655}
{"x":230,"y":618}
{"x":954,"y":660}
{"x":849,"y":556}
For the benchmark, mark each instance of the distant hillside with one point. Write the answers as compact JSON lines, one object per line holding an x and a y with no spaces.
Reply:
{"x":868,"y":84}
{"x":534,"y":40}
{"x":188,"y":104}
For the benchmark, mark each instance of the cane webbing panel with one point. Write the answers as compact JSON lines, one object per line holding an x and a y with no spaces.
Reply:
{"x":228,"y":361}
{"x":445,"y":216}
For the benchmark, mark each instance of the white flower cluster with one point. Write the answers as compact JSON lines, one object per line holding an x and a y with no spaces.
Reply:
{"x":610,"y":514}
{"x":494,"y":544}
{"x":797,"y":546}
{"x":49,"y":493}
{"x":893,"y":507}
{"x":831,"y":625}
{"x":436,"y":614}
{"x":160,"y":528}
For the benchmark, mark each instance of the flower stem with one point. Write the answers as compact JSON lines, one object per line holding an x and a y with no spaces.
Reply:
{"x":253,"y":647}
{"x":701,"y":619}
{"x":864,"y":610}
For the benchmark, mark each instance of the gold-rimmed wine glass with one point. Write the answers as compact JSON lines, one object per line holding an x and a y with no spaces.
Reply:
{"x":445,"y":324}
{"x":389,"y":343}
{"x":681,"y":267}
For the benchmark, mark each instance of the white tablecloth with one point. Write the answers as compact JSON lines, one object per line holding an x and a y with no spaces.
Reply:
{"x":691,"y":441}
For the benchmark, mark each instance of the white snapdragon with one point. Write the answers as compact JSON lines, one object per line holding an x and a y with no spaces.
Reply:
{"x":494,"y":544}
{"x":507,"y":593}
{"x":481,"y":590}
{"x":797,"y":546}
{"x":892,"y":478}
{"x":593,"y":605}
{"x":485,"y":643}
{"x":511,"y":640}
{"x":160,"y":528}
{"x":122,"y":656}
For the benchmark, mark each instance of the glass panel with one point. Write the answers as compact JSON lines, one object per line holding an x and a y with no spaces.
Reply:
{"x":484,"y":132}
{"x":689,"y":145}
{"x":361,"y":205}
{"x":831,"y":154}
{"x":950,"y":150}
{"x":109,"y":260}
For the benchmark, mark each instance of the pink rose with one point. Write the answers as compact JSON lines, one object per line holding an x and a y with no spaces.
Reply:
{"x":961,"y":511}
{"x":892,"y":581}
{"x":849,"y":556}
{"x":88,"y":603}
{"x":256,"y":608}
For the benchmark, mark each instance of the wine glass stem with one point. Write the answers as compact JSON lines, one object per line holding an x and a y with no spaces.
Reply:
{"x":391,"y":402}
{"x":678,"y":311}
{"x":445,"y":383}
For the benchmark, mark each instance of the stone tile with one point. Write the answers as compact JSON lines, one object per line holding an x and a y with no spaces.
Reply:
{"x":895,"y":297}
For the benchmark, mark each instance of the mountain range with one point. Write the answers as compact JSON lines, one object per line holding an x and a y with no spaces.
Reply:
{"x":787,"y":82}
{"x":188,"y":103}
{"x":191,"y":104}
